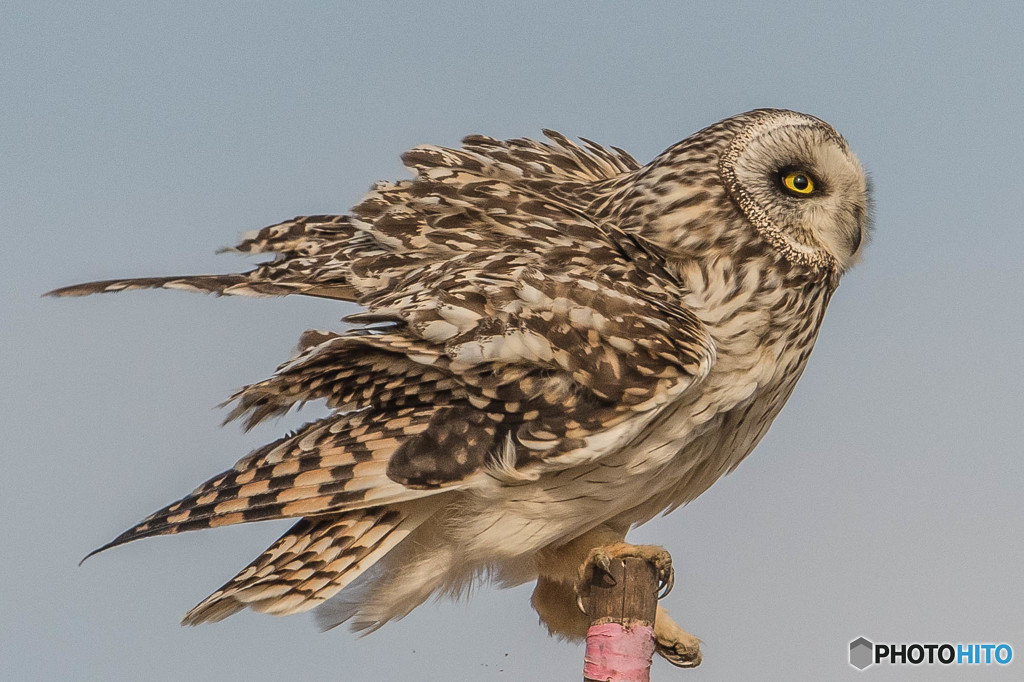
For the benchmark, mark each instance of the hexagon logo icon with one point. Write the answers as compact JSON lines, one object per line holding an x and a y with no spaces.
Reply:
{"x":861,"y":651}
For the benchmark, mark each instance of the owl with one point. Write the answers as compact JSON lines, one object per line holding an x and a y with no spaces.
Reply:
{"x":556,"y":344}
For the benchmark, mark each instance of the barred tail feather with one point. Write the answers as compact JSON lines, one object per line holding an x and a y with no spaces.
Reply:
{"x":312,"y":562}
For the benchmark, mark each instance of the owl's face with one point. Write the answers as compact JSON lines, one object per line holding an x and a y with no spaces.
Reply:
{"x":798,"y":183}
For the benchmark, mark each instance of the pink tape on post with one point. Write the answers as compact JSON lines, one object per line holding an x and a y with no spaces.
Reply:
{"x":616,"y":653}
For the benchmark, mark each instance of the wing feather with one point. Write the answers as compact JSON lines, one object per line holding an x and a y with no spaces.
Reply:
{"x":302,"y":265}
{"x":510,"y":326}
{"x":335,"y":464}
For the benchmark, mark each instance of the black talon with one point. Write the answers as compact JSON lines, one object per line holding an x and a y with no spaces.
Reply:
{"x":667,"y":583}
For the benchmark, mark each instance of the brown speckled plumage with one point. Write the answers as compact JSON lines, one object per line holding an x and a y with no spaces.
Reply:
{"x":557,"y":343}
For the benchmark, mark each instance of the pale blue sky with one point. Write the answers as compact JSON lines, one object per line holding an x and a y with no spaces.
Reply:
{"x":137,"y":138}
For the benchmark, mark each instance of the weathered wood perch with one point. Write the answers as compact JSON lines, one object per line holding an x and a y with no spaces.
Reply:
{"x":621,"y":605}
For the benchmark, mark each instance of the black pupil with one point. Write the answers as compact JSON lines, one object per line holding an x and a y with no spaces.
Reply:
{"x":800,"y":182}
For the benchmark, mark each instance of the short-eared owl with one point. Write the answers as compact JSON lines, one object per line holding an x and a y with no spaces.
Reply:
{"x":557,"y":344}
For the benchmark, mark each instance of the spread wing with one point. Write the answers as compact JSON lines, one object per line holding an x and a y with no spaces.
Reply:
{"x":507,"y":326}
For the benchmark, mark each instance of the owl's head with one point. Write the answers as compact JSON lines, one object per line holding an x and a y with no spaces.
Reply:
{"x":796,"y":180}
{"x":788,"y":177}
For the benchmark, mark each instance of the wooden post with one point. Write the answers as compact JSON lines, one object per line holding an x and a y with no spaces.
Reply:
{"x":620,"y":641}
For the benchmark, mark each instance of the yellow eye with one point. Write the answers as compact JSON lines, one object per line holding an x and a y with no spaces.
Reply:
{"x":798,"y":182}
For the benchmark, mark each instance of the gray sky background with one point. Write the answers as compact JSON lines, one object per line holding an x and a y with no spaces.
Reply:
{"x":136,"y":138}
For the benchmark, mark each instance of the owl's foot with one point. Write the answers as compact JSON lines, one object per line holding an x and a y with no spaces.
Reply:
{"x":674,"y":644}
{"x":599,"y":561}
